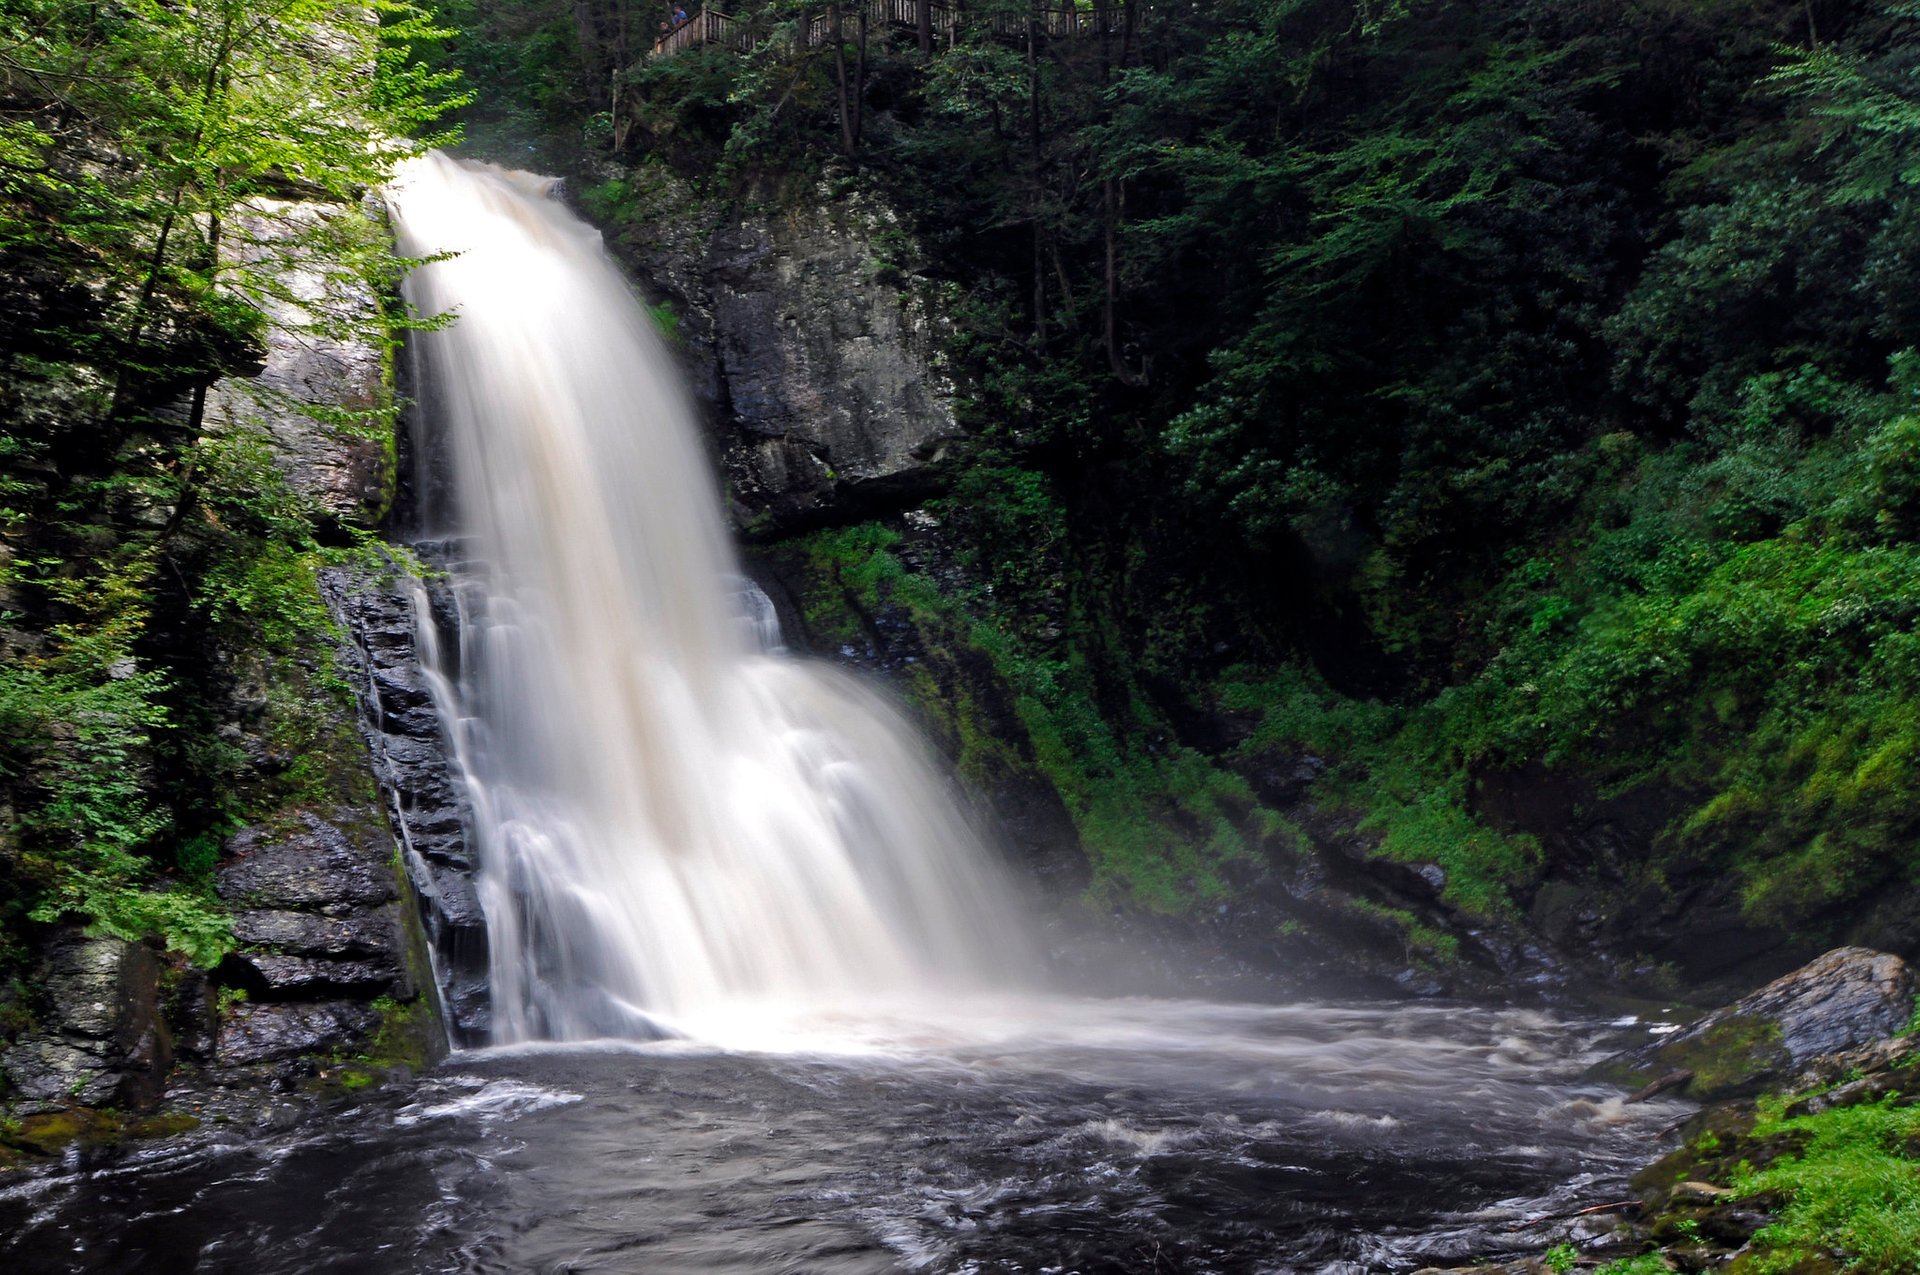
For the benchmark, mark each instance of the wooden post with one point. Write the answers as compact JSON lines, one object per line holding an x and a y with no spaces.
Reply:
{"x":840,"y":76}
{"x":1034,"y":191}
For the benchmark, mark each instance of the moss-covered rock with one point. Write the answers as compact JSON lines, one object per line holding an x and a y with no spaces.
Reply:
{"x":1847,"y":998}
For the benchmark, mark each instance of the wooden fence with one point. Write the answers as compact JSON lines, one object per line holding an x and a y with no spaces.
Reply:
{"x":709,"y":26}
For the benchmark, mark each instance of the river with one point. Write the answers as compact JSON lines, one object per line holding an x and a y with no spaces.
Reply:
{"x":1031,"y":1135}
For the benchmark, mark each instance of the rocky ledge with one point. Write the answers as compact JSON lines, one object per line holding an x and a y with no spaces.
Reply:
{"x":316,"y":911}
{"x":1816,"y":1178}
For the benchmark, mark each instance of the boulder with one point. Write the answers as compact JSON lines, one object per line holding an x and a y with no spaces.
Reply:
{"x":102,"y":1038}
{"x":266,"y":1033}
{"x":1849,"y":998}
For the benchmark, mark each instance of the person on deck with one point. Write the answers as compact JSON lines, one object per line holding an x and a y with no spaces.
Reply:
{"x":679,"y":16}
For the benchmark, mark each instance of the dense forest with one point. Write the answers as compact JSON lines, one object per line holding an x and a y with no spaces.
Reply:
{"x":1479,"y":435}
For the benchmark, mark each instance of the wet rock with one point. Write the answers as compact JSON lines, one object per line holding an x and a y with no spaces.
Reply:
{"x":318,"y":919}
{"x":1850,"y":997}
{"x":1873,"y":1088}
{"x":266,"y":1033}
{"x":1879,"y":1056}
{"x":102,"y":1039}
{"x":270,"y":976}
{"x":369,"y":933}
{"x":316,"y":865}
{"x":427,"y":802}
{"x":816,"y":345}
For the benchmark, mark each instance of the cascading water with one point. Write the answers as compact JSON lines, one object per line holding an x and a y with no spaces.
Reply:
{"x":675,"y":823}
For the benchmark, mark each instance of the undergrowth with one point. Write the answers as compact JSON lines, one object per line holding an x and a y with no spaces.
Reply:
{"x":1854,"y":1189}
{"x":1159,"y":821}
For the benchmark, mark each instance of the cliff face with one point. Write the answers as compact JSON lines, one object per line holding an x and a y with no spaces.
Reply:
{"x":1091,"y":696}
{"x":252,"y":776}
{"x":818,"y":351}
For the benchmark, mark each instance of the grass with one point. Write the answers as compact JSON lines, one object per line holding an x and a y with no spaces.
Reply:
{"x":1854,"y":1189}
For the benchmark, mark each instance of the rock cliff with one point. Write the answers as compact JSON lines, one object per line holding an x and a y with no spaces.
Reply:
{"x":816,"y":347}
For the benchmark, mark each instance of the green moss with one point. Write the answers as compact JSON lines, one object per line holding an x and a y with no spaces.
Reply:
{"x":1852,"y":1190}
{"x":166,"y":1125}
{"x":50,"y":1133}
{"x":408,"y":1034}
{"x":1729,"y":1057}
{"x":1158,"y":821}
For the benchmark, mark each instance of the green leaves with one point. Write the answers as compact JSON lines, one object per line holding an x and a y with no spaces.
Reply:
{"x":154,"y":160}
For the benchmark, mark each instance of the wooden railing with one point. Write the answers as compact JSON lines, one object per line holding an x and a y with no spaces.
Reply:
{"x":709,"y":26}
{"x":1060,"y":23}
{"x":903,"y":14}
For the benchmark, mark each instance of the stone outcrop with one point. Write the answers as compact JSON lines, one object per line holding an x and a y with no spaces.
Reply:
{"x":1849,"y":998}
{"x":315,"y":910}
{"x":318,"y":375}
{"x":102,"y":1040}
{"x":814,"y":344}
{"x":426,"y":802}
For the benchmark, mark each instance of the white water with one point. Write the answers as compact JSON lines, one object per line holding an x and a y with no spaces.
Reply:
{"x":676,"y":824}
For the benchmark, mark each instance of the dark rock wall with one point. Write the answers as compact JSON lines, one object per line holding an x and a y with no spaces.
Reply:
{"x":818,"y":352}
{"x":102,"y":1039}
{"x":425,"y":800}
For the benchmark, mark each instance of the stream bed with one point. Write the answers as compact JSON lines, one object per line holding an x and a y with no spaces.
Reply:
{"x":1037,"y":1135}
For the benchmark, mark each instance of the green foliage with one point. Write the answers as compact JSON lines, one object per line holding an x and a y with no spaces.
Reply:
{"x":78,"y":718}
{"x":1159,"y":821}
{"x":1561,"y":1258}
{"x":147,"y":152}
{"x":1854,"y":1189}
{"x":209,"y":105}
{"x":1397,"y":771}
{"x":1645,"y":1264}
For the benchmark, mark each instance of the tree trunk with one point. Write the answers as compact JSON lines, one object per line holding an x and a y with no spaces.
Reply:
{"x":923,"y":23}
{"x":1034,"y":187}
{"x":1113,"y":198}
{"x":847,"y":138}
{"x":860,"y":79}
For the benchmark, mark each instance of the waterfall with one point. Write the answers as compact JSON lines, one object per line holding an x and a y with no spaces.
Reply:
{"x":673,"y":818}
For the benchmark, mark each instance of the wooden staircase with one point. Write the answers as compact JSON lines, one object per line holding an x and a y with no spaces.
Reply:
{"x":709,"y":26}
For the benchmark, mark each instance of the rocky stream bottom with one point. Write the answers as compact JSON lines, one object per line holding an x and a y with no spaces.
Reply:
{"x":1033,"y":1136}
